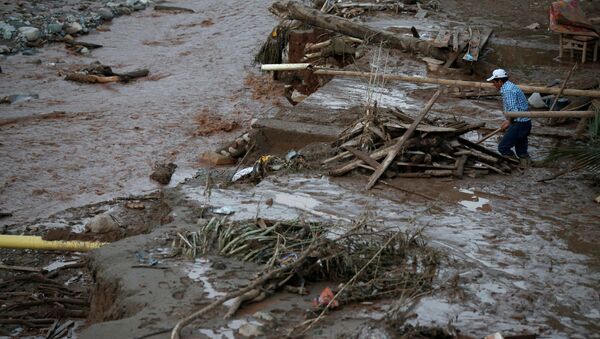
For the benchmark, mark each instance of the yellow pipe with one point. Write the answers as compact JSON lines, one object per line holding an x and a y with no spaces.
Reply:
{"x":37,"y":243}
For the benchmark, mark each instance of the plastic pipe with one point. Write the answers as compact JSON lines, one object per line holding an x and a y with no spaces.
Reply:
{"x":37,"y":243}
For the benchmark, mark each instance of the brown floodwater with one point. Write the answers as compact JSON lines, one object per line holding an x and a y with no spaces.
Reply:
{"x":84,"y":143}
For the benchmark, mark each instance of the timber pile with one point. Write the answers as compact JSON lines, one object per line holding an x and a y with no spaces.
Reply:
{"x":433,"y":149}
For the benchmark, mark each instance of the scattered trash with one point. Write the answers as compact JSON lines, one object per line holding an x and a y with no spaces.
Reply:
{"x":494,"y":336}
{"x":145,"y":258}
{"x":534,"y":26}
{"x":102,"y":223}
{"x":324,"y":299}
{"x":244,"y":172}
{"x":226,"y":210}
{"x":535,"y":100}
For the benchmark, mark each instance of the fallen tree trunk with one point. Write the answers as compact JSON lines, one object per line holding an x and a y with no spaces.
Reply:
{"x":551,"y":114}
{"x":457,"y":83}
{"x":317,"y":18}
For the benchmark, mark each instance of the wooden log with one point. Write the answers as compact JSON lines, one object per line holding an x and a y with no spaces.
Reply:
{"x":414,"y":175}
{"x":91,"y":79}
{"x":482,"y":149}
{"x":134,"y":74}
{"x":460,"y":166}
{"x":400,"y":143}
{"x":20,"y":268}
{"x":439,"y":173}
{"x":551,"y":114}
{"x":408,"y":164}
{"x":313,"y":17}
{"x":562,"y":88}
{"x":363,"y":156}
{"x":457,"y":83}
{"x":478,"y":155}
{"x":492,"y":168}
{"x":469,"y":128}
{"x":173,"y":9}
{"x":84,"y":44}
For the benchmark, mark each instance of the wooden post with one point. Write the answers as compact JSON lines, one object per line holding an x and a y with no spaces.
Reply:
{"x":398,"y":146}
{"x":456,"y":83}
{"x":550,"y":114}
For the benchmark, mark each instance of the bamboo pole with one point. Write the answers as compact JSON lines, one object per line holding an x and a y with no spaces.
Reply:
{"x":457,"y":83}
{"x":550,"y":114}
{"x":285,"y":67}
{"x":37,"y":243}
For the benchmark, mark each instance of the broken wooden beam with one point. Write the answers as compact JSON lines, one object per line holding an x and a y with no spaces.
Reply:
{"x":551,"y":114}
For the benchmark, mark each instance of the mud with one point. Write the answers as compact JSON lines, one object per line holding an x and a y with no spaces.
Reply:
{"x":521,"y":257}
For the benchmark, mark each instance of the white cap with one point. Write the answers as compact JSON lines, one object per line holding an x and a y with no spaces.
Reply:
{"x":498,"y":74}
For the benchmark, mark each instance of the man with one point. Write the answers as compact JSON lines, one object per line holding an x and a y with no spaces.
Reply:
{"x":517,"y":129}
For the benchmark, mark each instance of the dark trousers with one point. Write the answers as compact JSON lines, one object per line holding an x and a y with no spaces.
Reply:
{"x":515,"y":136}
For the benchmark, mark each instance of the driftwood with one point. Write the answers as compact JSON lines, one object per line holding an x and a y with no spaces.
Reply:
{"x":83,"y":44}
{"x":400,"y":143}
{"x":173,"y":9}
{"x":316,"y":18}
{"x":490,"y":135}
{"x":93,"y":78}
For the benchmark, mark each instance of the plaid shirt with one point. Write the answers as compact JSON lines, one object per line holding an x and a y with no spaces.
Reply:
{"x":514,"y":100}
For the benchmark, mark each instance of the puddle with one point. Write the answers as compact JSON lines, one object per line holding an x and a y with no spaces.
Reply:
{"x":197,"y":272}
{"x":475,"y":203}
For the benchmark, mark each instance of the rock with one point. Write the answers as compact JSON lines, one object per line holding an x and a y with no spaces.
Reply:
{"x":73,"y":27}
{"x":4,"y":49}
{"x":106,"y":14}
{"x":84,"y":51}
{"x":30,"y":33}
{"x":102,"y":223}
{"x":54,"y":28}
{"x":217,"y":159}
{"x":250,"y":330}
{"x":263,"y":316}
{"x":28,"y":52}
{"x":370,"y":332}
{"x":6,"y":30}
{"x":598,"y":199}
{"x":534,"y":25}
{"x":163,"y":172}
{"x":124,"y":10}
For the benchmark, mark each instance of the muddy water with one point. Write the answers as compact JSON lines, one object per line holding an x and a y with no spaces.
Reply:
{"x":519,"y":251}
{"x":109,"y":137}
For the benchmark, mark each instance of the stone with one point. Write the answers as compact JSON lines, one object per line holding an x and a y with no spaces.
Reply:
{"x":102,"y":223}
{"x":30,"y":33}
{"x":4,"y":49}
{"x":217,"y":159}
{"x":163,"y":172}
{"x":73,"y":28}
{"x":6,"y":30}
{"x":84,"y":51}
{"x":598,"y":199}
{"x":250,"y":330}
{"x":124,"y":10}
{"x":263,"y":316}
{"x":54,"y":28}
{"x":106,"y":14}
{"x":369,"y":332}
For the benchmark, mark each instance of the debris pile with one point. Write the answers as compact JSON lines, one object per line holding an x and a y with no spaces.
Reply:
{"x":435,"y":149}
{"x":372,"y":263}
{"x":98,"y":73}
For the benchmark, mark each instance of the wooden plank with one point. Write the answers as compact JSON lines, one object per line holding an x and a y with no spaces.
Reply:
{"x":473,"y":51}
{"x":442,"y":39}
{"x":422,"y":128}
{"x":486,"y":151}
{"x":455,"y":41}
{"x":398,"y":146}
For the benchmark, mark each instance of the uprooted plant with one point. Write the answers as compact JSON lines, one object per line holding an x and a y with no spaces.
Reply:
{"x":371,"y":263}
